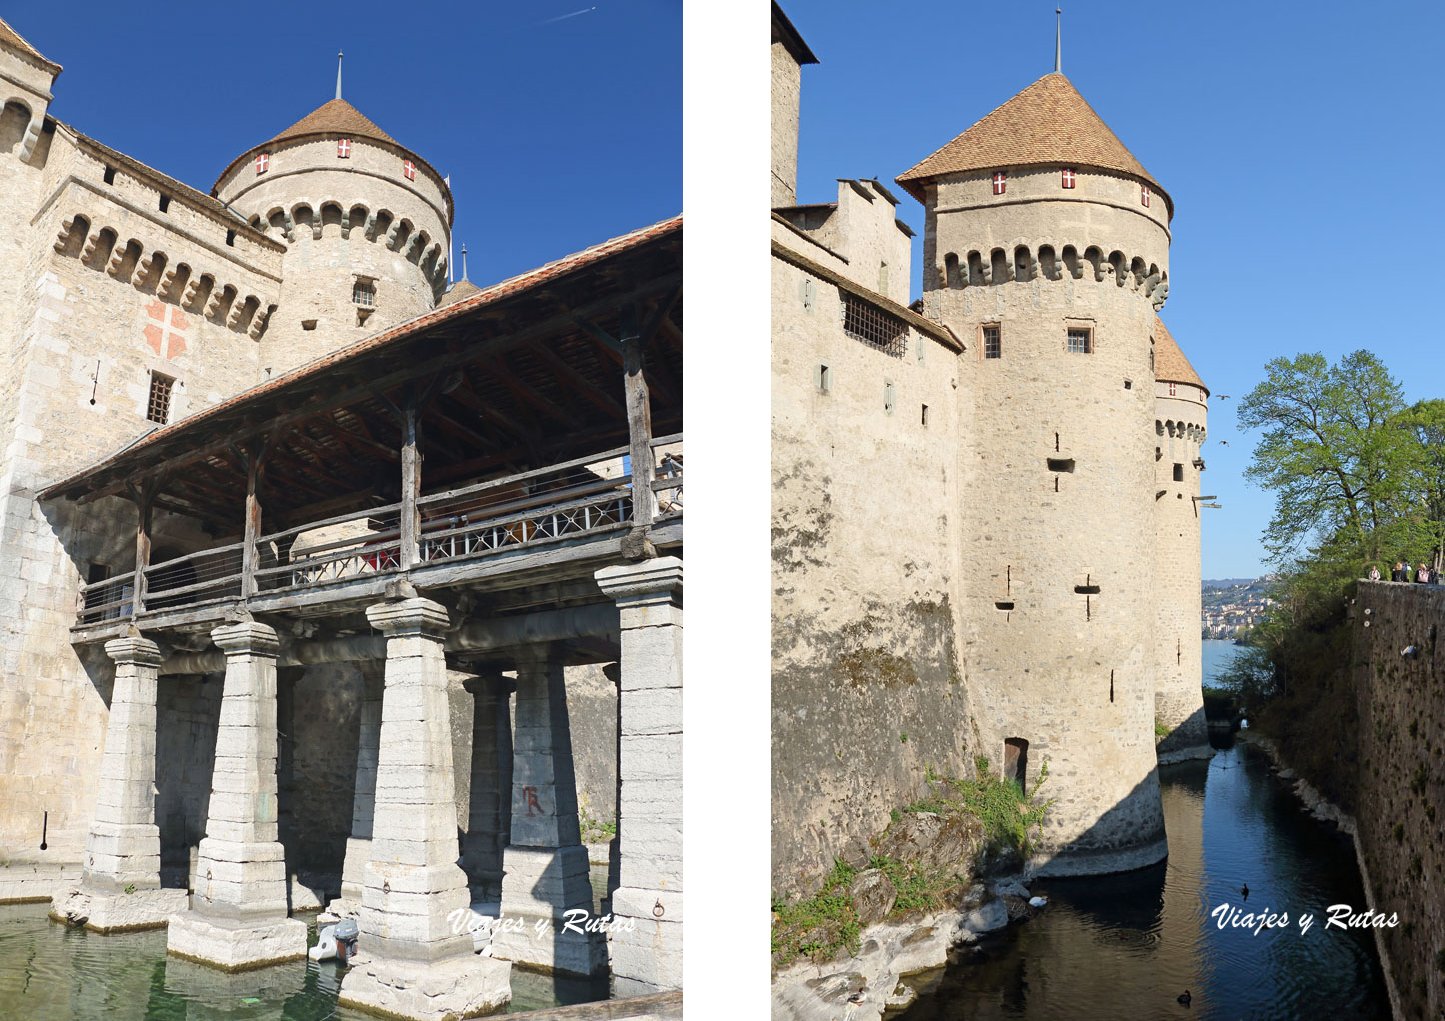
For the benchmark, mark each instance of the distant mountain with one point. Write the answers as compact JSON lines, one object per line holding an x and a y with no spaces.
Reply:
{"x":1228,"y":582}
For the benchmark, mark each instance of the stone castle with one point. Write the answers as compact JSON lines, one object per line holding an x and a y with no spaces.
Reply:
{"x":180,"y":361}
{"x":986,"y":502}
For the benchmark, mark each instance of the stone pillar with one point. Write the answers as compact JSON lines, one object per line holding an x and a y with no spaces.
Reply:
{"x":415,"y":950}
{"x":546,"y":880}
{"x":646,"y":944}
{"x":368,"y":747}
{"x":490,"y":817}
{"x":238,"y":916}
{"x":120,"y":885}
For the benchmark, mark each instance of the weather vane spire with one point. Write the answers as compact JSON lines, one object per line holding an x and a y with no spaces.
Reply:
{"x":1058,"y":42}
{"x":464,"y":260}
{"x":339,"y":55}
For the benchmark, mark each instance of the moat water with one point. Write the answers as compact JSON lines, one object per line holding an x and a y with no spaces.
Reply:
{"x":1127,"y":946}
{"x":49,"y":972}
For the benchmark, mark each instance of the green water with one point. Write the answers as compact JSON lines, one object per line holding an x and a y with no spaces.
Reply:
{"x":49,"y":972}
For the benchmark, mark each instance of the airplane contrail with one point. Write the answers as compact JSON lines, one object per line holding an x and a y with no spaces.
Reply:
{"x":564,"y":17}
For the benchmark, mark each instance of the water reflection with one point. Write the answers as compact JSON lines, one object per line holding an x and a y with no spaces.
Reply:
{"x":1127,"y":946}
{"x":52,"y":973}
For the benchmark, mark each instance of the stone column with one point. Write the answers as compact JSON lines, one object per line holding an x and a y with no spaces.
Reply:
{"x":238,"y":916}
{"x":368,"y":747}
{"x":415,"y":951}
{"x":646,"y":942}
{"x":120,"y":885}
{"x":546,"y":881}
{"x":490,"y":817}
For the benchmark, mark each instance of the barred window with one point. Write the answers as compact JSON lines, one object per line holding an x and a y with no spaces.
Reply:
{"x":992,"y":342}
{"x":1081,"y":341}
{"x":363,"y":293}
{"x":862,"y":320}
{"x":158,"y":407}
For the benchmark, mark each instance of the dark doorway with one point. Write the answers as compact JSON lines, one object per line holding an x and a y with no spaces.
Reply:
{"x":1016,"y":761}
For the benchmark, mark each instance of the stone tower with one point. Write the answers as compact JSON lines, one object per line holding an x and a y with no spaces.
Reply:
{"x":365,"y":221}
{"x":1046,"y":251}
{"x":1181,"y":402}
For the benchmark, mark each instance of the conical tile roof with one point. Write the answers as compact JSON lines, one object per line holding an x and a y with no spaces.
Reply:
{"x":1047,"y":123}
{"x":1170,"y":365}
{"x":336,"y":117}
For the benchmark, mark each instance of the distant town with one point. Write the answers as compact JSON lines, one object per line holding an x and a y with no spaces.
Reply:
{"x":1234,"y":605}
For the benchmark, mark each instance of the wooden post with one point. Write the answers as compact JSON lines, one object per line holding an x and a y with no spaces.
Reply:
{"x":253,"y":525}
{"x":144,"y":502}
{"x":639,"y":425}
{"x":410,"y":489}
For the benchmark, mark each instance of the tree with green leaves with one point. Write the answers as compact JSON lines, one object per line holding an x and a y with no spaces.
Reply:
{"x":1344,"y":472}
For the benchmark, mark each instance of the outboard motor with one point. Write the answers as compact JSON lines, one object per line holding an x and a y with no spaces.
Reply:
{"x":346,"y":936}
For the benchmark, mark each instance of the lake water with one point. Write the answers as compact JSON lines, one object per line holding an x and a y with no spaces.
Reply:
{"x":1218,"y":656}
{"x":1126,"y":946}
{"x":49,"y":972}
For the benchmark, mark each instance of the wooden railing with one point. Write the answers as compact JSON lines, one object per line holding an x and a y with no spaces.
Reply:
{"x":589,"y":495}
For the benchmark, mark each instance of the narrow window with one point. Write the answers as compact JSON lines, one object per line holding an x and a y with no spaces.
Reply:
{"x":343,"y":148}
{"x":1069,"y":178}
{"x":1178,"y":472}
{"x":109,"y":174}
{"x":1000,"y":182}
{"x":158,"y":406}
{"x":825,"y":379}
{"x":165,"y":203}
{"x":992,"y":342}
{"x":308,"y":324}
{"x":1144,"y":195}
{"x":263,"y":162}
{"x":363,"y":292}
{"x":925,"y":416}
{"x":1080,"y":340}
{"x":231,"y":238}
{"x":888,"y":397}
{"x":1016,"y":762}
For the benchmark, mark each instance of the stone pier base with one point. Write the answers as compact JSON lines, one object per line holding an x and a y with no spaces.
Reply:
{"x":459,"y":987}
{"x":647,"y":941}
{"x":539,"y":888}
{"x":118,"y":912}
{"x":235,"y":945}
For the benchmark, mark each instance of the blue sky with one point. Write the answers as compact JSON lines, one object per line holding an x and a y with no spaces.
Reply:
{"x":1301,"y":144}
{"x":558,"y":132}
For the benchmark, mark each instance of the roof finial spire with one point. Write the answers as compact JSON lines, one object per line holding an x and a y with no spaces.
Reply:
{"x":464,"y":260}
{"x":339,"y":55}
{"x":1058,"y":42}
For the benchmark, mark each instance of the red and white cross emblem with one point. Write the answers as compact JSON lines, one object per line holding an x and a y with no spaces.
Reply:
{"x":1000,"y":182}
{"x":165,"y":329}
{"x":343,"y":148}
{"x":1144,"y":194}
{"x":408,"y":169}
{"x":263,"y":162}
{"x":1069,"y":177}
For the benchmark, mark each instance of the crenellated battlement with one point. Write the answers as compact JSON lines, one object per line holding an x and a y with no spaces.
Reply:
{"x":313,"y":220}
{"x":1023,"y":262}
{"x":152,"y":271}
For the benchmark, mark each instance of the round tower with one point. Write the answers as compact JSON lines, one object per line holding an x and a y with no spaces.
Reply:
{"x":1047,"y":251}
{"x":1181,"y":405}
{"x":366,"y":223}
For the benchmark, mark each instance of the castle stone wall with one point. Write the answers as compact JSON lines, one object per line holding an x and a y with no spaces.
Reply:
{"x":340,"y":219}
{"x":868,"y":682}
{"x":1058,"y":615}
{"x":1179,"y":430}
{"x":1401,"y":783}
{"x":787,"y":94}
